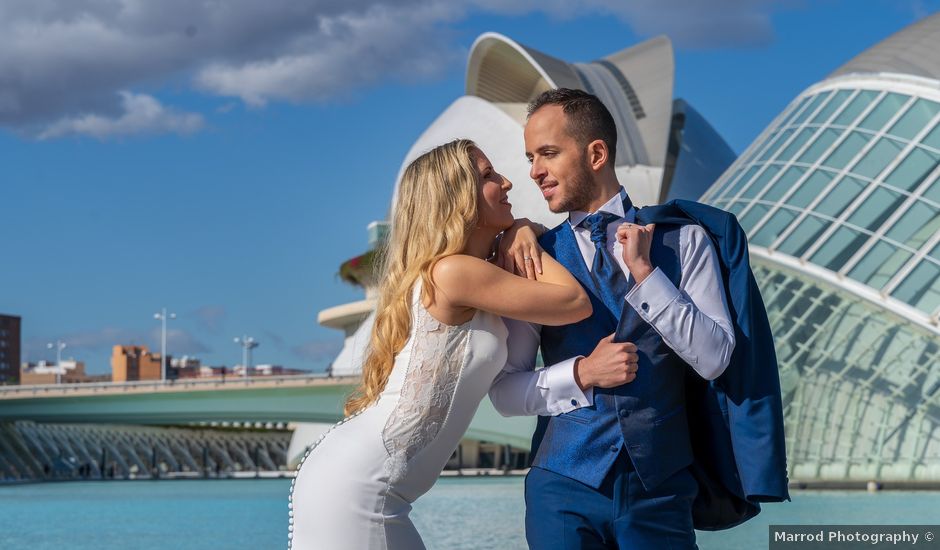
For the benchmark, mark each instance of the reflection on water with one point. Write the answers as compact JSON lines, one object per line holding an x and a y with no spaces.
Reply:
{"x":458,"y":514}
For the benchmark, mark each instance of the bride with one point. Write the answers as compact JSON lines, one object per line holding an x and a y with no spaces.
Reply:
{"x":437,"y":344}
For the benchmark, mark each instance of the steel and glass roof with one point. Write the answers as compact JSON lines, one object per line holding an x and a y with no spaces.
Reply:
{"x":846,"y":179}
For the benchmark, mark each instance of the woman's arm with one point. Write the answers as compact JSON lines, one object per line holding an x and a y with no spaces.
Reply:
{"x":554,"y":298}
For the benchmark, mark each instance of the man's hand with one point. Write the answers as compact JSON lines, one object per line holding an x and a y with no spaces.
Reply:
{"x":611,"y":364}
{"x":519,"y":251}
{"x":636,"y":241}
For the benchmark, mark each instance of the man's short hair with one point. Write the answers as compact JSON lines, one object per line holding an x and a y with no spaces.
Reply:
{"x":588,"y":118}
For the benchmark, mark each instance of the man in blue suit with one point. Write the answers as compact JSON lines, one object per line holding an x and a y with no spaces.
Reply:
{"x":613,"y":464}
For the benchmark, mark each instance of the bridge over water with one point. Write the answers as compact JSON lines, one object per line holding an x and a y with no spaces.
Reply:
{"x":305,"y":399}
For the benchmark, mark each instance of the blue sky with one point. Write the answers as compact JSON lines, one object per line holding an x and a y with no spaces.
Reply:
{"x":223,"y":162}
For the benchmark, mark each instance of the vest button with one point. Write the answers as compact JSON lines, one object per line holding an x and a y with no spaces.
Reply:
{"x":624,"y":413}
{"x":614,"y":448}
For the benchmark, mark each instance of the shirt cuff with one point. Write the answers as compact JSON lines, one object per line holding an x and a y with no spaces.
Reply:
{"x":566,"y":395}
{"x":652,"y":296}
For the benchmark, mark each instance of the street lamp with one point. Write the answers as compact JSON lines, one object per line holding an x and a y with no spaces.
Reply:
{"x":247,"y":343}
{"x":59,"y":346}
{"x":162,"y":317}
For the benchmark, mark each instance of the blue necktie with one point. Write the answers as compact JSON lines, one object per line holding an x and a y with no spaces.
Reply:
{"x":609,"y":279}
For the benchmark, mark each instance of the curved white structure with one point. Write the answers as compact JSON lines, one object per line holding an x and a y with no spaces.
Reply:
{"x":840,"y":197}
{"x":636,"y":84}
{"x":664,"y":148}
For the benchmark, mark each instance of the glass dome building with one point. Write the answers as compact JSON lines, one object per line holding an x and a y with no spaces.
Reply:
{"x":840,"y":198}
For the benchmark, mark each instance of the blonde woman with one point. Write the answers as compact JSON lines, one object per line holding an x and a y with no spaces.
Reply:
{"x":437,"y":344}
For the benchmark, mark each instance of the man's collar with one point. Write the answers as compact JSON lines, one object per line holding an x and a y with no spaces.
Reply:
{"x":613,"y":206}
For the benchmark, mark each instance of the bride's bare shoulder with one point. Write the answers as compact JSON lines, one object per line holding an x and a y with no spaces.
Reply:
{"x":455,"y":269}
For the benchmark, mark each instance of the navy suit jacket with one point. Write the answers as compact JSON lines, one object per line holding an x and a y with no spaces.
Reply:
{"x":736,"y":420}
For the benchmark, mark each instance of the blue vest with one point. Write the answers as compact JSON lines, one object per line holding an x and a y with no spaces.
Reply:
{"x":647,"y":416}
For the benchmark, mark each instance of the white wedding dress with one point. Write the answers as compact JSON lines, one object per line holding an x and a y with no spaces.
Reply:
{"x":354,"y":488}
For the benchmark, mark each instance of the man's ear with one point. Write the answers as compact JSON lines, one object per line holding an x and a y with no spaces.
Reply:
{"x":598,"y":155}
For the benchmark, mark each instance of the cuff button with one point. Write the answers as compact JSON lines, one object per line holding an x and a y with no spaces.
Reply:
{"x":574,"y":402}
{"x":644,"y":306}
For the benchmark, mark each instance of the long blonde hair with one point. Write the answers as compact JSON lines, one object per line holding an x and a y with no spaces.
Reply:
{"x":434,"y":214}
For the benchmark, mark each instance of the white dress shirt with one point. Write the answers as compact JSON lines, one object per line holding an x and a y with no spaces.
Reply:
{"x":693,"y":320}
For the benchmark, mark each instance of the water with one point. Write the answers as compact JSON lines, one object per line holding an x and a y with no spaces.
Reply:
{"x":458,"y":514}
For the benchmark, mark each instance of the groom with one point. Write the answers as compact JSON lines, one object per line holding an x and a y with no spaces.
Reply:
{"x":612,"y":462}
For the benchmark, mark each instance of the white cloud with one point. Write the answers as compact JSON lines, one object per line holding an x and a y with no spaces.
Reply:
{"x":345,"y":52}
{"x":143,"y":114}
{"x":179,"y":342}
{"x":66,"y":65}
{"x":210,"y":317}
{"x":318,"y":350}
{"x":93,"y":340}
{"x":697,"y":24}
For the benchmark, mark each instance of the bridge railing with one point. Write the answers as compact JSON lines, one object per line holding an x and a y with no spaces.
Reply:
{"x":177,"y":384}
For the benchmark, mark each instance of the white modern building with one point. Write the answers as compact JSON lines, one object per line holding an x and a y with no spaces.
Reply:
{"x":840,"y":198}
{"x":665,"y":150}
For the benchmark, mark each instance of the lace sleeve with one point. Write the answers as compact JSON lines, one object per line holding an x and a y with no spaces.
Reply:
{"x":434,"y":368}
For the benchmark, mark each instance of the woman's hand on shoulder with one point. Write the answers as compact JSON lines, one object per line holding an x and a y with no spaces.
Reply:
{"x":519,"y":251}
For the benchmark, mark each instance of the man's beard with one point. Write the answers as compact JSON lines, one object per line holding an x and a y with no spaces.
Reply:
{"x":579,"y":193}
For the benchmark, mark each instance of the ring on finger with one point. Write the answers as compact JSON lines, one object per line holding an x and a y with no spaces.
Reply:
{"x":526,"y":258}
